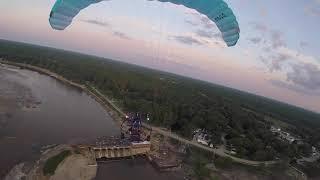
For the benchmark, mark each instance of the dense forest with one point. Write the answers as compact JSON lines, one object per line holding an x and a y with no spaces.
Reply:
{"x":179,"y":103}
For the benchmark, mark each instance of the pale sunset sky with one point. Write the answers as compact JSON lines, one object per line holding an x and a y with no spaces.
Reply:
{"x":277,"y":55}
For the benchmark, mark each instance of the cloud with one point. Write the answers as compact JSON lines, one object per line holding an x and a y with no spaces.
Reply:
{"x":189,"y":40}
{"x":199,"y":19}
{"x":284,"y":56}
{"x":293,"y":87}
{"x":208,"y":34}
{"x":255,"y":40}
{"x":205,"y":31}
{"x":206,"y":28}
{"x":299,"y":72}
{"x":193,"y":23}
{"x":295,"y":55}
{"x":277,"y":39}
{"x":96,"y":22}
{"x":206,"y":22}
{"x":121,"y":35}
{"x":302,"y":72}
{"x":274,"y":62}
{"x":306,"y":75}
{"x":105,"y":24}
{"x":273,"y":38}
{"x":300,"y":76}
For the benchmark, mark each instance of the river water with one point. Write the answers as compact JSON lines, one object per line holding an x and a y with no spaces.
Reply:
{"x":37,"y":110}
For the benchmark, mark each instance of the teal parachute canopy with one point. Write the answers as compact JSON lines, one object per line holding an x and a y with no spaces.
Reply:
{"x":217,"y":11}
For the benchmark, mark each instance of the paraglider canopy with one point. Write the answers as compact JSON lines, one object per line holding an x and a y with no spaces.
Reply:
{"x":217,"y":11}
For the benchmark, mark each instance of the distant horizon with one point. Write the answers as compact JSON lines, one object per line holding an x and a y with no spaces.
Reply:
{"x":173,"y":73}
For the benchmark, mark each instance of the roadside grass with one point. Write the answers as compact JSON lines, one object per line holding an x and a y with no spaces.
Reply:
{"x":52,"y":163}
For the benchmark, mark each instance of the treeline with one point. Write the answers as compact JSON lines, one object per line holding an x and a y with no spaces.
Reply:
{"x":179,"y":103}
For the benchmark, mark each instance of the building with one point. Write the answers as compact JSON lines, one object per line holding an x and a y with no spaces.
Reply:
{"x":314,"y":151}
{"x":202,"y":137}
{"x":282,"y":134}
{"x":275,"y":129}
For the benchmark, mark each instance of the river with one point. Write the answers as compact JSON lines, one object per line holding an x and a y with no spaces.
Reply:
{"x":37,"y":110}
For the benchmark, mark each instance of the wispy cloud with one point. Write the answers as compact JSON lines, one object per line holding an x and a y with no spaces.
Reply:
{"x":293,"y":87}
{"x":189,"y":40}
{"x":274,"y":62}
{"x":199,"y":19}
{"x":96,"y":22}
{"x":205,"y":31}
{"x":272,"y":37}
{"x":277,"y":39}
{"x":306,"y":75}
{"x":302,"y":72}
{"x":208,"y":34}
{"x":191,"y":22}
{"x":121,"y":35}
{"x":255,"y":40}
{"x":106,"y":24}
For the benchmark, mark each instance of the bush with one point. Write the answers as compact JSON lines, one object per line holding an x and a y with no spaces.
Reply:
{"x":52,"y":163}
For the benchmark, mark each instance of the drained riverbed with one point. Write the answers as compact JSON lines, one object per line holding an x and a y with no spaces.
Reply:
{"x":37,"y":110}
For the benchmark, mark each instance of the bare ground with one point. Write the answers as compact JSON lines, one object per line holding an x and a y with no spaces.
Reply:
{"x":75,"y":167}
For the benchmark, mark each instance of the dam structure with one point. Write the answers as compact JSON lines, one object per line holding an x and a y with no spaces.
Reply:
{"x":132,"y":142}
{"x":116,"y":150}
